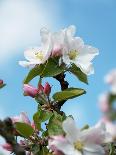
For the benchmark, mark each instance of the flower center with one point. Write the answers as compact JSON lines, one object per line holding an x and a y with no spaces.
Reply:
{"x":39,"y":55}
{"x":78,"y":145}
{"x":72,"y":54}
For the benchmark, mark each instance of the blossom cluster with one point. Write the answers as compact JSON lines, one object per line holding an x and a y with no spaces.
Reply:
{"x":62,"y":44}
{"x":52,"y":132}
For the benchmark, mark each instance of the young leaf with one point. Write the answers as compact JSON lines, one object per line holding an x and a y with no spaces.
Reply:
{"x":78,"y":73}
{"x":49,"y":69}
{"x":68,"y":94}
{"x":52,"y":68}
{"x":41,"y":116}
{"x":24,"y":129}
{"x":36,"y":71}
{"x":55,"y":124}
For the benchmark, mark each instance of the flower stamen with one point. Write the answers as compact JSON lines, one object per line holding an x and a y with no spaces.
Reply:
{"x":39,"y":55}
{"x":72,"y":54}
{"x":78,"y":145}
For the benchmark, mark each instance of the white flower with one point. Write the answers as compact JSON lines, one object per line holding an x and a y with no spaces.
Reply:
{"x":78,"y":142}
{"x":110,"y":126}
{"x":111,"y":79}
{"x":40,"y":54}
{"x":75,"y":51}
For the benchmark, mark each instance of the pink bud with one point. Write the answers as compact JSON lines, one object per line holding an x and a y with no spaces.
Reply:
{"x":40,"y":88}
{"x":30,"y":90}
{"x":47,"y":89}
{"x":1,"y":82}
{"x":7,"y":147}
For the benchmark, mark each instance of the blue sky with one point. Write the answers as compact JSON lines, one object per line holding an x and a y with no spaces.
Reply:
{"x":20,"y":22}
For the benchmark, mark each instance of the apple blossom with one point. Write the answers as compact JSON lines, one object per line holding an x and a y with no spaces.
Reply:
{"x":75,"y":51}
{"x":77,"y":142}
{"x":110,"y":78}
{"x":38,"y":55}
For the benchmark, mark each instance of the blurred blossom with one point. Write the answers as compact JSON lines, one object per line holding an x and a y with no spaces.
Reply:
{"x":110,"y":78}
{"x":110,"y":127}
{"x":7,"y":147}
{"x":103,"y":102}
{"x":21,"y":118}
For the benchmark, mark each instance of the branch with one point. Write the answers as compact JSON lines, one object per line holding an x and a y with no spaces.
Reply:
{"x":64,"y":85}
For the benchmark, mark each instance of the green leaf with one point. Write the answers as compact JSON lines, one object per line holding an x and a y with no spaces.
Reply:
{"x":55,"y":124}
{"x":52,"y":68}
{"x":36,"y":71}
{"x":41,"y":116}
{"x":78,"y":73}
{"x":3,"y":85}
{"x":24,"y":129}
{"x":49,"y":69}
{"x":68,"y":94}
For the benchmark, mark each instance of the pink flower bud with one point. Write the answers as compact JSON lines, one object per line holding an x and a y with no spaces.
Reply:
{"x":47,"y":89}
{"x":7,"y":147}
{"x":40,"y":88}
{"x":1,"y":82}
{"x":30,"y":90}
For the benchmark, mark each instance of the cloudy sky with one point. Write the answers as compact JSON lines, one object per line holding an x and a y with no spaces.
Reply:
{"x":20,"y":22}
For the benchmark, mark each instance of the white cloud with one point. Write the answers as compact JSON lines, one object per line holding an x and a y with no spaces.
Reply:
{"x":20,"y":22}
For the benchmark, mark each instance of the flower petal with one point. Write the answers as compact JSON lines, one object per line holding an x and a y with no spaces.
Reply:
{"x":87,"y":53}
{"x":65,"y":147}
{"x":92,"y":148}
{"x":70,"y":129}
{"x":30,"y":54}
{"x":26,"y":64}
{"x":86,"y":67}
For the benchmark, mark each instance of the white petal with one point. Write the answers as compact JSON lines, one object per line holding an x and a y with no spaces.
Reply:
{"x":26,"y":64}
{"x":44,"y":33}
{"x":70,"y":31}
{"x":30,"y":54}
{"x":87,"y":53}
{"x":94,"y":148}
{"x":70,"y":129}
{"x":86,"y":67}
{"x":65,"y":147}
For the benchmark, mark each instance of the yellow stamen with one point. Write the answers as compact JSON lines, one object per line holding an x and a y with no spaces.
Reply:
{"x":39,"y":55}
{"x":72,"y":54}
{"x":78,"y":145}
